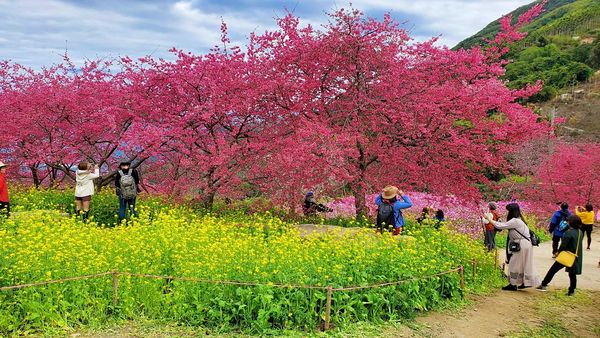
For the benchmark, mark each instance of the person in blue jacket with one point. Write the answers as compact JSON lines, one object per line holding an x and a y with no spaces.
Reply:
{"x":555,"y":228}
{"x":389,"y":209}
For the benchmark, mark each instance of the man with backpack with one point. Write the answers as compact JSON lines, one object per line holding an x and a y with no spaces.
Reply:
{"x":389,"y":209}
{"x":127,"y":183}
{"x":558,"y":226}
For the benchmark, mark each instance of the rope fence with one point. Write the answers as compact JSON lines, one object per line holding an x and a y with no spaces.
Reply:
{"x":329,"y":289}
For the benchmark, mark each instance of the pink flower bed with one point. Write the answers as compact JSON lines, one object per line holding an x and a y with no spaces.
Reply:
{"x":465,"y":215}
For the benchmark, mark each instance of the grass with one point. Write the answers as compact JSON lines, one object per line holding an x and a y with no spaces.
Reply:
{"x":550,"y":329}
{"x":564,"y":316}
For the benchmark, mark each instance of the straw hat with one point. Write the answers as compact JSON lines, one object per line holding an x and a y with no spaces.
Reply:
{"x":389,"y":192}
{"x":2,"y":165}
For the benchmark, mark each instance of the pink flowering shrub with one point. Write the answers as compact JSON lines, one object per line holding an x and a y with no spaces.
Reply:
{"x":461,"y":214}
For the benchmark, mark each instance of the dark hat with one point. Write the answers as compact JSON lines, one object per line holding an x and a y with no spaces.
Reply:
{"x":125,"y":162}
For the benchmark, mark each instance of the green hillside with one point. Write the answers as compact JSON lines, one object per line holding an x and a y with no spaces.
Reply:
{"x":553,"y":11}
{"x":562,"y":47}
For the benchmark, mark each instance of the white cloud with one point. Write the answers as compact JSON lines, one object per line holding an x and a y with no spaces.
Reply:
{"x":36,"y":33}
{"x":455,"y":20}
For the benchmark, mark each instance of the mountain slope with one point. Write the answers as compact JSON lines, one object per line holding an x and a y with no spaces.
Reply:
{"x":560,"y":17}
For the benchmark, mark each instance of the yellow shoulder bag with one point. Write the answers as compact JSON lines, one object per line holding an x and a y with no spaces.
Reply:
{"x":567,"y":258}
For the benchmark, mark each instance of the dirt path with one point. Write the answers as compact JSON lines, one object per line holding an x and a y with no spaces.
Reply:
{"x":505,"y":312}
{"x":589,"y":280}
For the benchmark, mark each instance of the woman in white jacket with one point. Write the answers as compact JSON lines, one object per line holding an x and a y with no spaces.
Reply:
{"x":84,"y":187}
{"x":520,"y":260}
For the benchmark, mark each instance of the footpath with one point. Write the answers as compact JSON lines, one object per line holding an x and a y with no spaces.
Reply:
{"x":505,"y":313}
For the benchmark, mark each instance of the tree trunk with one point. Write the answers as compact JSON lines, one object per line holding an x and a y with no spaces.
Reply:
{"x":360,"y":202}
{"x":35,"y":176}
{"x":208,"y":199}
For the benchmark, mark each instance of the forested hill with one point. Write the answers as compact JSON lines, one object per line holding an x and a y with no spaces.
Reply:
{"x":562,"y":47}
{"x":553,"y":11}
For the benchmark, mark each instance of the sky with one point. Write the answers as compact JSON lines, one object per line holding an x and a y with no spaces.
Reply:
{"x":37,"y":33}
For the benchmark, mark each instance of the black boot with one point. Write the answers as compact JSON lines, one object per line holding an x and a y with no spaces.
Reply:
{"x":510,"y":287}
{"x":85,"y":215}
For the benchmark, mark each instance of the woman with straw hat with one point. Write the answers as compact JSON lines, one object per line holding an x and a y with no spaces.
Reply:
{"x":389,"y":209}
{"x":4,"y":202}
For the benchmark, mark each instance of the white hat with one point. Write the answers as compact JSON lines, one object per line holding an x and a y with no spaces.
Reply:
{"x":2,"y":164}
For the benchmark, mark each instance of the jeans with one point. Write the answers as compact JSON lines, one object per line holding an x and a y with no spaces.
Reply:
{"x":556,"y":267}
{"x":555,"y":243}
{"x":126,"y":205}
{"x":490,"y":239}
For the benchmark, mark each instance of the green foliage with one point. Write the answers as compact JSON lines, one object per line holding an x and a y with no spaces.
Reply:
{"x":464,"y":124}
{"x":551,"y":328}
{"x":582,"y":53}
{"x":550,"y":65}
{"x":594,"y":57}
{"x":553,"y":10}
{"x":553,"y":51}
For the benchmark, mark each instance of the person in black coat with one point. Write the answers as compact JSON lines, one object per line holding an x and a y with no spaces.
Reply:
{"x":127,"y":194}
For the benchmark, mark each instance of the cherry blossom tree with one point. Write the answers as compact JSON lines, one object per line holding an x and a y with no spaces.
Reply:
{"x":353,"y":106}
{"x":570,"y":173}
{"x":61,"y":115}
{"x":369,"y":108}
{"x":205,"y":118}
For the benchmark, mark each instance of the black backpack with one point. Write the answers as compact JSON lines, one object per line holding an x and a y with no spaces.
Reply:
{"x":385,"y":216}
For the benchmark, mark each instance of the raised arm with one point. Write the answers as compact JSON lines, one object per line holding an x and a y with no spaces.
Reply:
{"x":95,"y":174}
{"x":378,"y":200}
{"x":512,"y":224}
{"x":405,"y":203}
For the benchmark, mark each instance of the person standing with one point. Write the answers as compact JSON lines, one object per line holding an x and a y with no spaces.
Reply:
{"x":587,"y":219}
{"x":571,"y":241}
{"x":558,"y":226}
{"x":84,"y":187}
{"x":490,"y":231}
{"x":389,"y":209}
{"x":4,"y":201}
{"x":127,"y":184}
{"x":519,"y":250}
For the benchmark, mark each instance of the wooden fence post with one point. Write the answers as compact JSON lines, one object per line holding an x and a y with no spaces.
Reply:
{"x":328,"y":308}
{"x":474,"y":263}
{"x":495,"y":258}
{"x":461,"y":272}
{"x":115,"y":275}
